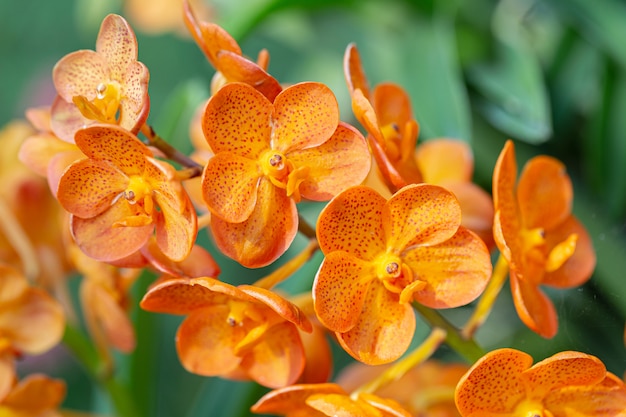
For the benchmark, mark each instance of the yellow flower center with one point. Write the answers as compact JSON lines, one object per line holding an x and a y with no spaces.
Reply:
{"x":530,"y":408}
{"x":249,"y":317}
{"x":105,"y":106}
{"x":282,"y":172}
{"x":138,"y":193}
{"x":391,"y":133}
{"x":538,"y":259}
{"x":396,"y":276}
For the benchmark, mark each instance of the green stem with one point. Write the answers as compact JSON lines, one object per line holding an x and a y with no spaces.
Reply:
{"x":467,"y":348}
{"x":86,"y":354}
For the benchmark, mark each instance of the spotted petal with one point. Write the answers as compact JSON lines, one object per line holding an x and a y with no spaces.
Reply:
{"x":293,"y":399}
{"x":305,"y":115}
{"x":117,"y":44}
{"x":420,"y":214}
{"x":265,"y":235}
{"x":340,"y":288}
{"x":493,"y":384}
{"x":89,"y":187}
{"x":456,"y":271}
{"x":351,"y":222}
{"x":384,"y":328}
{"x":80,"y":73}
{"x":236,"y":68}
{"x":237,"y":120}
{"x":229,"y":186}
{"x":341,"y":162}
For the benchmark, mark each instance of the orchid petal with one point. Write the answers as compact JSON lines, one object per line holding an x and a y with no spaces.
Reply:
{"x":340,"y":288}
{"x":176,"y":225}
{"x":544,"y":193}
{"x":384,"y":328}
{"x":265,"y":235}
{"x":353,"y":71}
{"x":420,"y":214}
{"x":117,"y":44}
{"x":292,"y":399}
{"x":236,"y":68}
{"x":505,"y":203}
{"x":445,"y":160}
{"x":237,"y":120}
{"x":278,"y":359}
{"x":337,"y":164}
{"x":533,"y":307}
{"x":351,"y":222}
{"x":285,"y":309}
{"x":229,"y":186}
{"x":305,"y":115}
{"x":456,"y":271}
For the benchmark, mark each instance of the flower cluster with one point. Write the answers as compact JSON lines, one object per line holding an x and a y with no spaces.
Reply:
{"x":403,"y":233}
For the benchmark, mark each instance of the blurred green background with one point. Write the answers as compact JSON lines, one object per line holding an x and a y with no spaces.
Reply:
{"x":549,"y":74}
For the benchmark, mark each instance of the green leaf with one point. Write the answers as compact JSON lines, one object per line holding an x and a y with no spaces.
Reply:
{"x":514,"y":96}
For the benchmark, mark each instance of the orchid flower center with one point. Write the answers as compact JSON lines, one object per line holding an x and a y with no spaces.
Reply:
{"x":138,"y":194}
{"x":536,"y":250}
{"x":105,"y":106}
{"x":282,"y":172}
{"x":397,"y":276}
{"x":391,"y":133}
{"x":251,"y":319}
{"x":529,"y":408}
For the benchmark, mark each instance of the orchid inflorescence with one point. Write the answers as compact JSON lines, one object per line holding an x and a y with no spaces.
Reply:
{"x":404,"y":233}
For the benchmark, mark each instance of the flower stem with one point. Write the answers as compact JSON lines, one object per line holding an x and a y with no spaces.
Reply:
{"x":195,"y":169}
{"x":305,"y":228}
{"x":287,"y":269}
{"x":488,"y":298}
{"x":395,"y":372}
{"x":467,"y":348}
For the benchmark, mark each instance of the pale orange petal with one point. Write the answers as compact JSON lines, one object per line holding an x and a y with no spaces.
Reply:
{"x":544,"y":193}
{"x":114,"y":320}
{"x":36,"y":394}
{"x":185,"y":295}
{"x":341,"y":405}
{"x":205,"y":341}
{"x":117,"y":44}
{"x":562,"y":370}
{"x":444,"y":160}
{"x":278,"y":359}
{"x":339,"y":290}
{"x":456,"y":271}
{"x":476,"y":209}
{"x":388,"y":407}
{"x":353,"y":71}
{"x":384,"y":329}
{"x":199,"y":263}
{"x":89,"y":187}
{"x":79,"y":73}
{"x":66,"y":119}
{"x":237,"y":120}
{"x":392,"y":106}
{"x":533,"y":307}
{"x":291,"y":399}
{"x":420,"y":214}
{"x":579,"y":267}
{"x":341,"y":162}
{"x":305,"y":115}
{"x":135,"y":104}
{"x":588,"y":400}
{"x":229,"y":186}
{"x":99,"y":239}
{"x":176,"y":225}
{"x":284,"y":308}
{"x":37,"y":151}
{"x":351,"y":222}
{"x":237,"y":68}
{"x":8,"y":376}
{"x":58,"y":165}
{"x":265,"y":235}
{"x":116,"y":145}
{"x":493,"y":383}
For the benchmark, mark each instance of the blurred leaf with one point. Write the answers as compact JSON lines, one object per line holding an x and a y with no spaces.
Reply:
{"x":433,"y":79}
{"x":600,"y":20}
{"x":514,"y":94}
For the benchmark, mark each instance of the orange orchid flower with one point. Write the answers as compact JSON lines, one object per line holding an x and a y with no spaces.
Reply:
{"x":107,"y":85}
{"x":319,"y":400}
{"x":242,"y":332}
{"x":543,"y":243}
{"x":120,"y":194}
{"x":31,"y":322}
{"x":267,"y":157}
{"x":34,"y":396}
{"x":426,"y":390}
{"x":224,"y":53}
{"x":392,"y":131}
{"x":503,"y":383}
{"x":380,"y":255}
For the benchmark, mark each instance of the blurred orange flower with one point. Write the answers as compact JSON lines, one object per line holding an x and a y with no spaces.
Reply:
{"x":34,"y":396}
{"x":120,"y":194}
{"x":31,"y":322}
{"x":224,"y":53}
{"x":242,"y":332}
{"x":381,"y":255}
{"x":392,"y":131}
{"x":267,"y":157}
{"x":503,"y":383}
{"x":107,"y":85}
{"x":319,"y":400}
{"x":426,"y":390}
{"x":543,"y":243}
